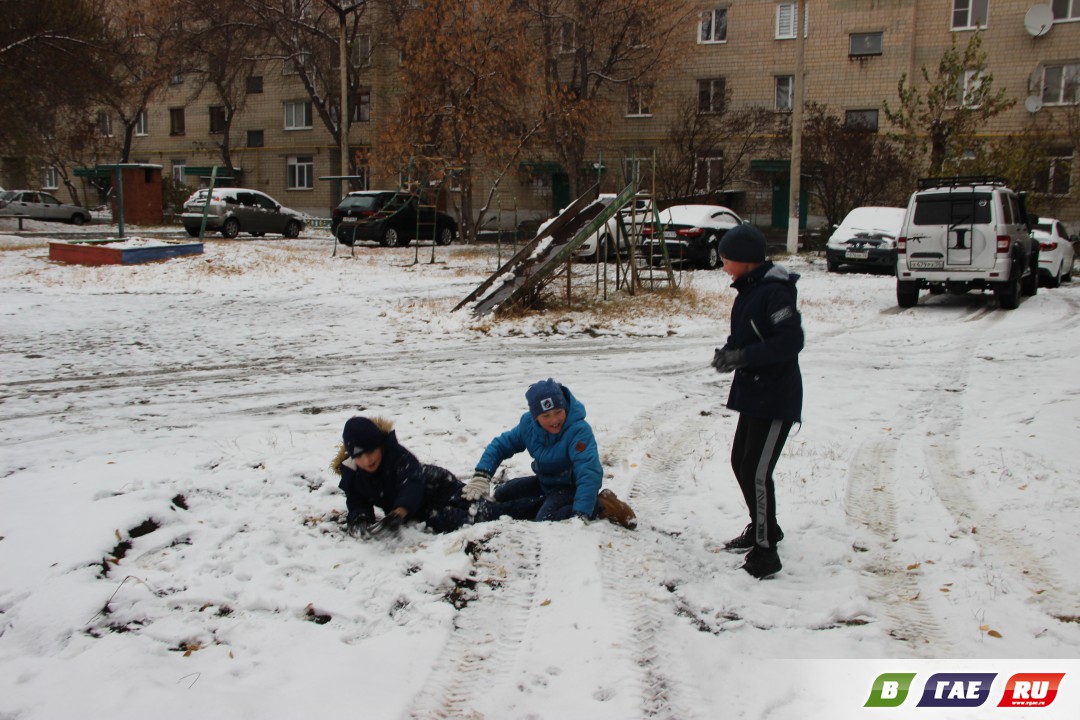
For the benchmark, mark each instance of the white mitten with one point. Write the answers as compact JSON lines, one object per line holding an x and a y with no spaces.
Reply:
{"x":476,"y":488}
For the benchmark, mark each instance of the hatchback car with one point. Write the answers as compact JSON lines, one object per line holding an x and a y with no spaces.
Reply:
{"x":392,"y":219}
{"x":236,"y":210}
{"x":866,"y":238}
{"x":1056,"y":252}
{"x":691,"y":233}
{"x":38,"y":205}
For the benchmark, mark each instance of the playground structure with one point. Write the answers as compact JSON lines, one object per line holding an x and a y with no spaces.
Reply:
{"x":549,"y":257}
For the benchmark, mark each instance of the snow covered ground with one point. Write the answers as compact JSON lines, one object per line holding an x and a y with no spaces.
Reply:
{"x":170,"y":544}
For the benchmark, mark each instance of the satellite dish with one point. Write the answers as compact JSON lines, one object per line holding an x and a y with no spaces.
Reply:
{"x":1038,"y":20}
{"x":1033,"y":103}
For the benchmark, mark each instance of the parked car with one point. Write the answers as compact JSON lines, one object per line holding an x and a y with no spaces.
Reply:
{"x":1056,"y":252}
{"x":609,"y":240}
{"x":392,"y":219}
{"x":967,"y":233}
{"x":691,"y":233}
{"x":866,"y":238}
{"x":39,"y":205}
{"x":236,"y":210}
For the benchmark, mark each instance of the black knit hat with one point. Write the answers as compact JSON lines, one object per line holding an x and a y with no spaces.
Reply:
{"x":743,"y":243}
{"x":361,"y":435}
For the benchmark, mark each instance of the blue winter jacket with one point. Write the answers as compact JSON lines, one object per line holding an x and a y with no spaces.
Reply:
{"x":567,"y":460}
{"x":766,"y":325}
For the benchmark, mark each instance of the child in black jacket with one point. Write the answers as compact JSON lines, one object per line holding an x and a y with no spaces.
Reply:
{"x":376,"y":471}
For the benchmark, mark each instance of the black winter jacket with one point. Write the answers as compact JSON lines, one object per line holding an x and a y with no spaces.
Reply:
{"x":766,"y":325}
{"x":400,"y":481}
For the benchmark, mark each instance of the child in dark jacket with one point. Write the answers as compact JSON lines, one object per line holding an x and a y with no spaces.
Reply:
{"x":566,"y":463}
{"x":376,"y":471}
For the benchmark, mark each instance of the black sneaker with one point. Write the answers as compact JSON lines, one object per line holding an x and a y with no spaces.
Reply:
{"x":746,"y":541}
{"x":762,"y":562}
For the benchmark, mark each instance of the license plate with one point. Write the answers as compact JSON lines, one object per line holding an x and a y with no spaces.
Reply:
{"x":670,"y":235}
{"x":857,"y":254}
{"x":925,"y":264}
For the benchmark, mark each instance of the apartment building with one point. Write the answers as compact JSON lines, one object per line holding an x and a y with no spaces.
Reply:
{"x":855,"y":52}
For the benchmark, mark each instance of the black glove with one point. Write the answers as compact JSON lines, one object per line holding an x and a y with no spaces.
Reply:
{"x":356,"y":526}
{"x":386,"y":527}
{"x":726,"y":361}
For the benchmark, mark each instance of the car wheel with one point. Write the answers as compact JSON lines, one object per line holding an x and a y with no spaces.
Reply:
{"x":445,"y":236}
{"x":1067,"y":275}
{"x":344,"y":236}
{"x":712,"y":254}
{"x":78,"y":219}
{"x":832,"y":265}
{"x":231,"y":228}
{"x":907,"y":293}
{"x":193,"y":232}
{"x":292,"y":230}
{"x":1029,"y":285}
{"x":1008,"y":293}
{"x":391,"y":238}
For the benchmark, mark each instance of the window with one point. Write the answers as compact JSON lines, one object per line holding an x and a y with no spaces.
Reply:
{"x":567,"y":38}
{"x":298,"y":115}
{"x":254,"y":84}
{"x":711,"y":95}
{"x":255,"y":138}
{"x":639,"y":97}
{"x":636,"y":169}
{"x":292,"y":65}
{"x":141,"y":126}
{"x":713,"y":27}
{"x":301,"y":172}
{"x":50,"y":178}
{"x":787,"y":21}
{"x":863,"y":44}
{"x":1056,"y":176}
{"x":178,"y":174}
{"x":1066,"y":9}
{"x":969,"y":14}
{"x":361,"y":111}
{"x":1061,"y":84}
{"x":217,"y":119}
{"x":866,"y":120}
{"x":967,"y":90}
{"x":709,"y":171}
{"x":104,"y":123}
{"x":361,"y":51}
{"x":177,"y":78}
{"x":785,"y":92}
{"x":176,"y":121}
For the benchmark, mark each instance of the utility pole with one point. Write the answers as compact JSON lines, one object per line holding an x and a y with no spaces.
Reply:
{"x":797,"y":128}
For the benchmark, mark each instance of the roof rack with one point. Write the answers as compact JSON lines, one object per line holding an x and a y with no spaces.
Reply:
{"x":960,"y":181}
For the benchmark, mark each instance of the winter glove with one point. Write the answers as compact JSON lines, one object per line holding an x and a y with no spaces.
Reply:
{"x":726,"y":361}
{"x":386,"y":527}
{"x":477,"y":488}
{"x":356,"y":527}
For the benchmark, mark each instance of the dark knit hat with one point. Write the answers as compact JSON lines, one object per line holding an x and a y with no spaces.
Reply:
{"x":743,"y":243}
{"x":361,"y":435}
{"x":545,"y":395}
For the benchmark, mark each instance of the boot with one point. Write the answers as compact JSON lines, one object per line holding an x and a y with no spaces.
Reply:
{"x":762,"y":562}
{"x":746,"y":541}
{"x":609,"y":507}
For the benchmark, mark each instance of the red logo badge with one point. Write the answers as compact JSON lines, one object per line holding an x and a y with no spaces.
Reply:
{"x":580,"y":447}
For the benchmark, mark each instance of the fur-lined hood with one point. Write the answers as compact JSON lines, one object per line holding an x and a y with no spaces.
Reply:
{"x":342,"y":456}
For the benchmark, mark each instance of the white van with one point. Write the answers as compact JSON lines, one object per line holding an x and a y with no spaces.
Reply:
{"x":866,"y":238}
{"x":967,"y":233}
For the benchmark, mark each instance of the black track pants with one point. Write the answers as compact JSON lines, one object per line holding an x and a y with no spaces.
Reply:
{"x":754,"y":452}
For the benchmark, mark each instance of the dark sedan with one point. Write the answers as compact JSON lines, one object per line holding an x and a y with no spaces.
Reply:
{"x":392,"y":219}
{"x":691,"y":233}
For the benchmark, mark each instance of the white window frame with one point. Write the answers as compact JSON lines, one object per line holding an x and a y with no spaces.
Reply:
{"x":291,"y":120}
{"x":50,"y":178}
{"x":568,"y":38}
{"x":716,"y":104}
{"x":968,"y":8}
{"x":104,"y":123}
{"x":1053,"y":162}
{"x":968,"y":85}
{"x":1066,"y":10}
{"x":854,"y":51}
{"x":850,"y":114}
{"x":709,"y":22}
{"x":789,"y":93}
{"x":787,"y":20}
{"x":1069,"y":77}
{"x":142,"y":127}
{"x":300,"y":172}
{"x":360,"y":52}
{"x":292,"y":65}
{"x":178,"y":171}
{"x":710,"y":162}
{"x":638,"y":99}
{"x":357,"y":116}
{"x":174,"y":113}
{"x":636,"y":168}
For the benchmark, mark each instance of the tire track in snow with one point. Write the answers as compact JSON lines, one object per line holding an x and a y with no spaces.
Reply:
{"x":488,"y":632}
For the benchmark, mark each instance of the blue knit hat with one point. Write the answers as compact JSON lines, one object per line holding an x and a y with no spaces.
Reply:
{"x":545,"y":395}
{"x":743,"y":243}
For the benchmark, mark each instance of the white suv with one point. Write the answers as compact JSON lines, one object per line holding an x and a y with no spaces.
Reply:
{"x":966,"y":233}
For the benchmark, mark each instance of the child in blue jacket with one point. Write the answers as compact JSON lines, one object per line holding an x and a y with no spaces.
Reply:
{"x":566,"y":463}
